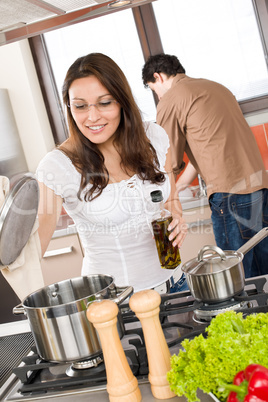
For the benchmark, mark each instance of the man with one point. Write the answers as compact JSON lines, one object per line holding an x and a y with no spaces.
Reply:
{"x":203,"y":119}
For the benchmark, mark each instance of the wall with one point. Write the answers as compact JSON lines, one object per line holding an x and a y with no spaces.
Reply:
{"x":259,"y":127}
{"x":18,"y":76}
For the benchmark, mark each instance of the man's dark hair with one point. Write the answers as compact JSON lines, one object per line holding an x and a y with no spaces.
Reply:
{"x":161,"y":63}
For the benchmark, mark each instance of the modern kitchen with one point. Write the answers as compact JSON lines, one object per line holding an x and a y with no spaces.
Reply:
{"x":56,"y":353}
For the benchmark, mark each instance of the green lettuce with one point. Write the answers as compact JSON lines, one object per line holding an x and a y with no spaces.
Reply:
{"x":231,"y":343}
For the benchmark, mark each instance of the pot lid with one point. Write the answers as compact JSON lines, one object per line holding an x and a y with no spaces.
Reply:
{"x":17,"y":218}
{"x":211,"y":263}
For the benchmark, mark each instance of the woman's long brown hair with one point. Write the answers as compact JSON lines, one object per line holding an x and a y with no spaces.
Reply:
{"x":137,"y":154}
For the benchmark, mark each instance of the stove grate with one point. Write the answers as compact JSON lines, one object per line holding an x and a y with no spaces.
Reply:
{"x":12,"y":350}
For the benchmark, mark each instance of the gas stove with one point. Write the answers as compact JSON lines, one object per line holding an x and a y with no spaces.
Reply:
{"x":27,"y":377}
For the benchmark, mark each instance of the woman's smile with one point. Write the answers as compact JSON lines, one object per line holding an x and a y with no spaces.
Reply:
{"x":94,"y":110}
{"x":96,"y":128}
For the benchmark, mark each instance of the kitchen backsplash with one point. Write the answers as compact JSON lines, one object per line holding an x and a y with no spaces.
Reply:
{"x":261,"y":134}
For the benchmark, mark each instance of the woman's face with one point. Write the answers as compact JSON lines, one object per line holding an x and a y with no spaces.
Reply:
{"x":100,"y":121}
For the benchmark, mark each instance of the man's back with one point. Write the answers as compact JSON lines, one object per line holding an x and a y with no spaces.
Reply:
{"x":203,"y":118}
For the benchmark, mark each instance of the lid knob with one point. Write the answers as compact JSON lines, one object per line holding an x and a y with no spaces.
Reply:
{"x":216,"y":249}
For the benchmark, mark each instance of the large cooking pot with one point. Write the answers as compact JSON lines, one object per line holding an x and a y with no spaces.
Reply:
{"x":218,"y":276}
{"x":57,"y":316}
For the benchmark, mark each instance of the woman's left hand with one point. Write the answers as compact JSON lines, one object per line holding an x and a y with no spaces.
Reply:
{"x":178,"y":228}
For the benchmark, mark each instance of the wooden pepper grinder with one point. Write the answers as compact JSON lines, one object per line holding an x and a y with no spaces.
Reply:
{"x":122,"y":386}
{"x":145,"y":304}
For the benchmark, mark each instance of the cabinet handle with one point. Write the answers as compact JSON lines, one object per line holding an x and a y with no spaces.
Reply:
{"x":59,"y":251}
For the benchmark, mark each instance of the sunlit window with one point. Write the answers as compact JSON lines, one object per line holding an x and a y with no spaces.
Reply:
{"x":114,"y":35}
{"x":215,"y":39}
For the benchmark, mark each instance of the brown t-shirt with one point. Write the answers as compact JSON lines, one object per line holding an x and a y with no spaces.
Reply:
{"x":203,"y":119}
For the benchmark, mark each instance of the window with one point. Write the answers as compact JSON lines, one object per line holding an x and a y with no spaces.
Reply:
{"x":218,"y":40}
{"x":114,"y":35}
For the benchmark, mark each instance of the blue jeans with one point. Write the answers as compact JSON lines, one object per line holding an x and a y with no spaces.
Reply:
{"x":179,"y":286}
{"x":238,"y":217}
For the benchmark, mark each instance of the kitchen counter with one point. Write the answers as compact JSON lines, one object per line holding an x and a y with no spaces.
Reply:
{"x":190,"y":203}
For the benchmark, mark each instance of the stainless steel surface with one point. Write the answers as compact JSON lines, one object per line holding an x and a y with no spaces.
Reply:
{"x":57,"y":316}
{"x":217,"y":286}
{"x":215,"y":277}
{"x":220,"y":275}
{"x":210,"y":263}
{"x":253,"y":241}
{"x":202,"y":187}
{"x":100,"y":394}
{"x":87,"y":394}
{"x":17,"y":218}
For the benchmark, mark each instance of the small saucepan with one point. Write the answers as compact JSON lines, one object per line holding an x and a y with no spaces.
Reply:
{"x":218,"y":276}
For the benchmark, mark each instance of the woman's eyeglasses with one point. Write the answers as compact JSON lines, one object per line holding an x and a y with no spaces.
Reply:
{"x":102,"y":106}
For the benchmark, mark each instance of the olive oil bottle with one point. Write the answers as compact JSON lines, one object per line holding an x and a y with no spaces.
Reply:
{"x":169,"y":255}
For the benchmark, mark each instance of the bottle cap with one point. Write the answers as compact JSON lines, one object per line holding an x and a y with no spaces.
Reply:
{"x":156,"y":196}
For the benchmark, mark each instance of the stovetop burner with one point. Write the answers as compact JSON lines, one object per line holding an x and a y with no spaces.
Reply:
{"x":179,"y":319}
{"x":206,"y":314}
{"x":86,"y":364}
{"x":86,"y":367}
{"x":39,"y":377}
{"x":207,"y":311}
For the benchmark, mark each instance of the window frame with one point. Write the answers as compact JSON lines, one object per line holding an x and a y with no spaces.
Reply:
{"x":150,"y":42}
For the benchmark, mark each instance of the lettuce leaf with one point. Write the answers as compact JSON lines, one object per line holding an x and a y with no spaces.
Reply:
{"x":207,"y":362}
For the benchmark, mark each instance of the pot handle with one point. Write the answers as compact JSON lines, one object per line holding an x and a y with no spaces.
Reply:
{"x":216,"y":249}
{"x":253,"y":241}
{"x":125,"y":293}
{"x":19,"y":309}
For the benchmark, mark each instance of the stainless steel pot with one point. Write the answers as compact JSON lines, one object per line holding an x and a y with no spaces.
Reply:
{"x":57,"y":316}
{"x":219,"y":275}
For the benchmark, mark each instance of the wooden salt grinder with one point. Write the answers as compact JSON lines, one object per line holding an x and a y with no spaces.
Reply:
{"x":122,"y":386}
{"x":145,"y":304}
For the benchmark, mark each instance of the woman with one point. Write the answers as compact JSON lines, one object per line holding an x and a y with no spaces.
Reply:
{"x":103,"y":175}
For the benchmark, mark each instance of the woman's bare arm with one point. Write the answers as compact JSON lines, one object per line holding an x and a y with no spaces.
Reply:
{"x":49,"y":210}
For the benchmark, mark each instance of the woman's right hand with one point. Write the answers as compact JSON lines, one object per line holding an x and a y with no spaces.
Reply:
{"x":178,"y":228}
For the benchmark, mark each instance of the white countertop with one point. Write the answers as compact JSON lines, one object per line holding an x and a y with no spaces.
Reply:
{"x":189,"y":203}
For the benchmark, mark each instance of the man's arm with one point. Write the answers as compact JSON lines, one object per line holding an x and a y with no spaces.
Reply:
{"x":186,"y":177}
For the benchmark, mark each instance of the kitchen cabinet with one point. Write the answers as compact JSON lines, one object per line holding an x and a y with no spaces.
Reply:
{"x":200,"y":231}
{"x":63,"y":259}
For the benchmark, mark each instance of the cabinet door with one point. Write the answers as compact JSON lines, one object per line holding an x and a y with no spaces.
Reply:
{"x":62,"y":260}
{"x":200,"y":232}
